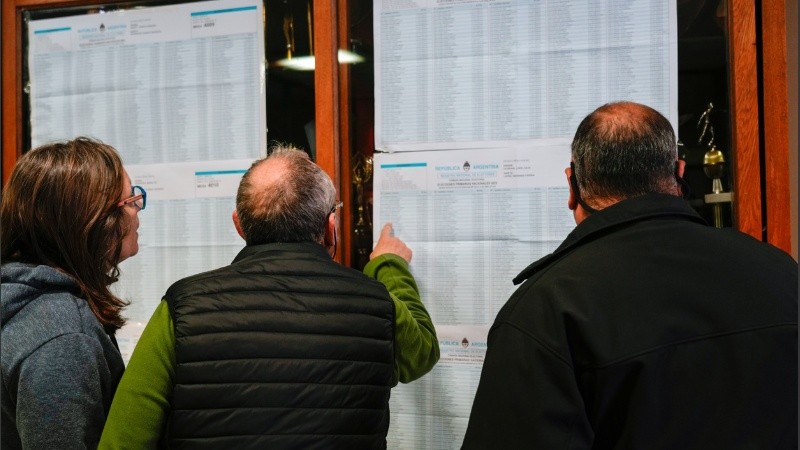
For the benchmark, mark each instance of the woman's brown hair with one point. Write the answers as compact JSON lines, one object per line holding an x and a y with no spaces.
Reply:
{"x":59,"y":209}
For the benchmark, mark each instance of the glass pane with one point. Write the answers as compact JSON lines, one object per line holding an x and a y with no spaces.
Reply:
{"x":290,"y":91}
{"x":362,"y":118}
{"x":703,"y":79}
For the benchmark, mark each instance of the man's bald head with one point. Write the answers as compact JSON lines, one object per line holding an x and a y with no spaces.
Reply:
{"x":284,"y":197}
{"x":624,"y":150}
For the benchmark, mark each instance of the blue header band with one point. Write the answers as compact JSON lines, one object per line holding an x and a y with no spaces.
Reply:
{"x":220,"y":172}
{"x":223,"y":11}
{"x":394,"y":166}
{"x":52,"y":30}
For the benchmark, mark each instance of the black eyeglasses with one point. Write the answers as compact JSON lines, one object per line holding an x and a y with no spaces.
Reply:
{"x":336,"y":206}
{"x":138,"y":199}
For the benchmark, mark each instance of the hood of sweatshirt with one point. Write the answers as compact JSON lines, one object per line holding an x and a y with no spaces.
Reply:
{"x":20,"y":284}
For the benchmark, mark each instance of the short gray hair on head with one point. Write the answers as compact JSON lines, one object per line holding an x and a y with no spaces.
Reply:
{"x":290,"y":204}
{"x":624,"y":150}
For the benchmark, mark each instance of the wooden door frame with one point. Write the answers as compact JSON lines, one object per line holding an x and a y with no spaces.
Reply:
{"x":775,"y":94}
{"x":761,"y":205}
{"x":332,"y":110}
{"x":327,"y":108}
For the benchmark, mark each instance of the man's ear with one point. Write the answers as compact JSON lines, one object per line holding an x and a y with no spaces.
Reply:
{"x":572,"y":201}
{"x":681,"y":167}
{"x":330,"y":230}
{"x":237,"y":224}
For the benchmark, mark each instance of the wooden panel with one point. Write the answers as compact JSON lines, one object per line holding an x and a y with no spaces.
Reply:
{"x":12,"y":94}
{"x":326,"y":78}
{"x":345,"y":146}
{"x":776,"y":124}
{"x":744,"y":117}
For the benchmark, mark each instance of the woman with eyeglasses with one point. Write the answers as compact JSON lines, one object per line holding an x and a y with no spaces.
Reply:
{"x":68,"y":217}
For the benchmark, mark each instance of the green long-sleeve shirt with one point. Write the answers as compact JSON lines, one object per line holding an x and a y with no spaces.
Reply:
{"x":141,"y":405}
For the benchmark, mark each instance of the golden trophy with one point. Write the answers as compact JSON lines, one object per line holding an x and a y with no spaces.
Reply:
{"x":362,"y":174}
{"x":713,"y":167}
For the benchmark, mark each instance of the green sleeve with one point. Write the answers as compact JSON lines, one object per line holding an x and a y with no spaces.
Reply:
{"x":141,"y":404}
{"x":416,"y":345}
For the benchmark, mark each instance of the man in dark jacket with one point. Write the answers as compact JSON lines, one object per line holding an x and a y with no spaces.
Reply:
{"x":646,"y":328}
{"x":283,"y":348}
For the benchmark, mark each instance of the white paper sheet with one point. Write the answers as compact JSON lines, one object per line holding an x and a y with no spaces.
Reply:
{"x":179,"y":91}
{"x":454,"y":73}
{"x":474,"y":219}
{"x":476,"y":102}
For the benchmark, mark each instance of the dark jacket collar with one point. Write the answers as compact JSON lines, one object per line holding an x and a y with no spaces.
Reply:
{"x":635,"y":209}
{"x":313,"y":248}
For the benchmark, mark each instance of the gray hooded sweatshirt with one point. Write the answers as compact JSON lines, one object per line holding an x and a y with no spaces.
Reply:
{"x":59,"y":367}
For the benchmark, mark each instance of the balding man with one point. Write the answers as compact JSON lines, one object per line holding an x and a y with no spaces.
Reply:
{"x":646,"y":328}
{"x":283,"y":348}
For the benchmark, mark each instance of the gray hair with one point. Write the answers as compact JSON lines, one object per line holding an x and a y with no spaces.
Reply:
{"x":624,"y":150}
{"x":290,"y":205}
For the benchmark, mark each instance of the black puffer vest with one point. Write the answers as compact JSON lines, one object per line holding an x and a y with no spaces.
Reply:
{"x":284,"y":348}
